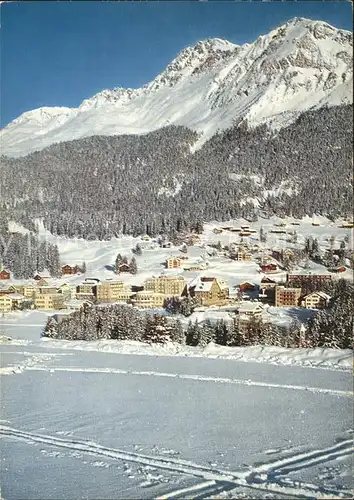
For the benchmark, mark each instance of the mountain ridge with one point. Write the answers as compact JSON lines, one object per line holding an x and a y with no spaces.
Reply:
{"x":301,"y":65}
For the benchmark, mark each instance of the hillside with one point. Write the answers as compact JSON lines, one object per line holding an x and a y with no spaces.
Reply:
{"x":299,"y":66}
{"x":101,"y":186}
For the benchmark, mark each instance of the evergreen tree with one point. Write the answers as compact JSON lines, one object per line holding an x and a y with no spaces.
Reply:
{"x":177,"y":333}
{"x":262,"y":235}
{"x":50,"y":329}
{"x":157,"y":331}
{"x":206,"y":333}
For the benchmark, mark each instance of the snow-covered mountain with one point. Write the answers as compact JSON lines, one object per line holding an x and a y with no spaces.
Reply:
{"x":298,"y":66}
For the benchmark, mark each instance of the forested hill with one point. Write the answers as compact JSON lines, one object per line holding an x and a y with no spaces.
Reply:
{"x":103,"y":185}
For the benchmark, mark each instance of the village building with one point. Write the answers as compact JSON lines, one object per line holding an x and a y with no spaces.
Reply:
{"x":267,"y":283}
{"x":6,"y":289}
{"x":241,"y":255}
{"x":75,"y":304}
{"x":43,"y":275}
{"x":69,"y":270}
{"x":338,"y":269}
{"x":85,"y":296}
{"x":170,"y":286}
{"x":247,"y":286}
{"x":27,"y":289}
{"x":209,"y":291}
{"x":315,"y":300}
{"x":112,"y":291}
{"x":5,"y":303}
{"x":49,"y":301}
{"x":86,"y":287}
{"x":247,"y":312}
{"x":66,"y":289}
{"x":173,"y":262}
{"x":308,"y":276}
{"x":4,"y":275}
{"x":269,"y":268}
{"x":41,"y":290}
{"x":16,"y":300}
{"x":286,"y":296}
{"x":147,"y":299}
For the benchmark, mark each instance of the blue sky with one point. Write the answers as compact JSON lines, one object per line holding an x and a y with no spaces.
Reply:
{"x":59,"y":53}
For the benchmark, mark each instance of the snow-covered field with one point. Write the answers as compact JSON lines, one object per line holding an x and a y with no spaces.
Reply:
{"x":96,"y":420}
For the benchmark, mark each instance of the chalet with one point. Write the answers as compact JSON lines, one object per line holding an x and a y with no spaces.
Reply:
{"x":146,"y":238}
{"x":268,"y":268}
{"x":286,"y":296}
{"x":4,"y":275}
{"x":245,"y":233}
{"x":217,"y":230}
{"x":68,"y":270}
{"x":173,"y":263}
{"x":44,"y":275}
{"x":278,"y":231}
{"x":208,"y":291}
{"x":347,"y":225}
{"x":166,"y":244}
{"x":339,"y":269}
{"x":315,"y":300}
{"x":245,"y":227}
{"x":267,"y":283}
{"x":247,"y":286}
{"x":124,"y":268}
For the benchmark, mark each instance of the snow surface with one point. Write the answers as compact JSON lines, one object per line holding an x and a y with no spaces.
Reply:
{"x":300,"y":65}
{"x":79,"y":424}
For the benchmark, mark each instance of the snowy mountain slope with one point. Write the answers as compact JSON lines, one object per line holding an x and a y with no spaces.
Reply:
{"x":210,"y":86}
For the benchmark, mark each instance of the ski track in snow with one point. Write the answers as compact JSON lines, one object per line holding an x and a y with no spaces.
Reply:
{"x":262,"y":478}
{"x":30,"y":366}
